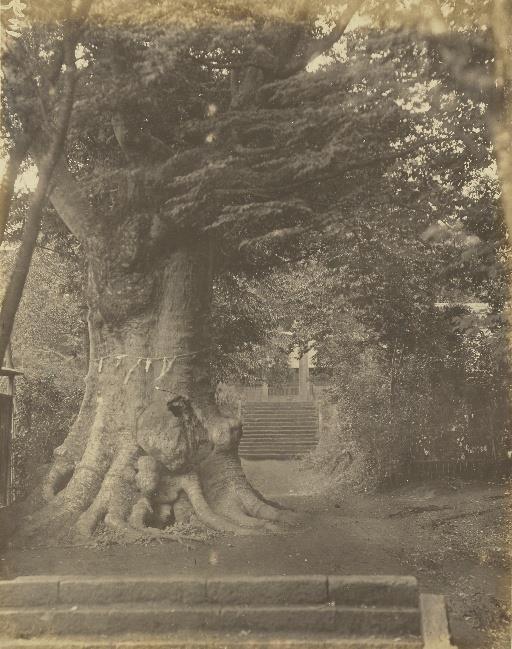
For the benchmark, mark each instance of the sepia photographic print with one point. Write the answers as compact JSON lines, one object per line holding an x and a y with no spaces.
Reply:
{"x":255,"y":346}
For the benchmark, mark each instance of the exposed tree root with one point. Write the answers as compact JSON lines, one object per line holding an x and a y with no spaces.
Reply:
{"x":58,"y":477}
{"x":69,"y":454}
{"x":138,"y":498}
{"x":228,"y":490}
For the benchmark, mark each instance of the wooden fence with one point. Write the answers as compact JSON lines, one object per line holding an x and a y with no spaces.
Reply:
{"x":482,"y":468}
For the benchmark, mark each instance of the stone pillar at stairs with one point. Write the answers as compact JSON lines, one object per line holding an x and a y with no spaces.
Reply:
{"x":304,"y":390}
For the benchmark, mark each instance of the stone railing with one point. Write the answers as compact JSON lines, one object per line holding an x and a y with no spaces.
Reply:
{"x":284,"y":392}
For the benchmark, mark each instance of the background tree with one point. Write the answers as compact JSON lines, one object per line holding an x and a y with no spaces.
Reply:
{"x":56,"y":97}
{"x":406,"y":373}
{"x":50,"y":346}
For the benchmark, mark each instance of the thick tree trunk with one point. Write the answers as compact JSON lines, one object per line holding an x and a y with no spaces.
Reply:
{"x":150,"y":447}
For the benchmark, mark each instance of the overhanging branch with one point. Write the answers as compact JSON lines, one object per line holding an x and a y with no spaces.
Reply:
{"x":318,"y":46}
{"x":72,"y":206}
{"x":14,"y":161}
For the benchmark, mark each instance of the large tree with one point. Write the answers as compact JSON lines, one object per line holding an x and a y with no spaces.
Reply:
{"x":191,"y":148}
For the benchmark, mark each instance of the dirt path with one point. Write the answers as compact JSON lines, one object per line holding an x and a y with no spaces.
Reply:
{"x":451,"y":538}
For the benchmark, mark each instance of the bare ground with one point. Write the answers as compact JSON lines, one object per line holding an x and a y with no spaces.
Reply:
{"x":453,"y":536}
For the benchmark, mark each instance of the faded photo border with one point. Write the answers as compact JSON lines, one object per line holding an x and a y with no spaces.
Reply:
{"x":209,"y":216}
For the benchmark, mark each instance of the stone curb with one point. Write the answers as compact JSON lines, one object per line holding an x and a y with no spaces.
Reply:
{"x":434,"y":621}
{"x":374,"y":590}
{"x":131,"y":589}
{"x":269,"y":590}
{"x":212,"y":642}
{"x":29,"y":591}
{"x":114,"y":620}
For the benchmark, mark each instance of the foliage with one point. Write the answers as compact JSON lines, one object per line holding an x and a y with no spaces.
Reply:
{"x":45,"y":410}
{"x":242,"y":328}
{"x":50,"y":346}
{"x":286,"y":165}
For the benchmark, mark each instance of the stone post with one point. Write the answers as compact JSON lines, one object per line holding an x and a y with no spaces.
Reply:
{"x":304,"y":376}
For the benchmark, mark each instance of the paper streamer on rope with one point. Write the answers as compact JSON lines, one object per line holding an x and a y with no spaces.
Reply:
{"x":166,"y":363}
{"x":131,"y":371}
{"x":164,"y":369}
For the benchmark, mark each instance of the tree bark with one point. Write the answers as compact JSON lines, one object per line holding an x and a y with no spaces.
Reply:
{"x":150,"y":447}
{"x":13,"y":164}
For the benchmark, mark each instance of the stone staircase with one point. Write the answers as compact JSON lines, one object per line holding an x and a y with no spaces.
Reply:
{"x":278,"y":429}
{"x":306,"y":612}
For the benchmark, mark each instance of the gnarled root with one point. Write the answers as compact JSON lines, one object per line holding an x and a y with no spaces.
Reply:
{"x":58,"y":477}
{"x":136,"y":496}
{"x":228,"y":492}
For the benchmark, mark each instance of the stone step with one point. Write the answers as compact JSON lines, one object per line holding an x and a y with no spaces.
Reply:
{"x":282,"y":431}
{"x":278,"y":429}
{"x":279,"y":439}
{"x":295,"y":419}
{"x":280,"y":404}
{"x":143,"y":618}
{"x":343,"y":590}
{"x":279,"y":423}
{"x":269,"y":410}
{"x":288,"y":414}
{"x":212,"y":641}
{"x":310,"y":414}
{"x":276,"y":448}
{"x":272,"y":448}
{"x":279,"y":434}
{"x":279,"y":407}
{"x":280,"y":413}
{"x":271,"y":455}
{"x":278,"y":612}
{"x":265,"y":454}
{"x":285,"y":422}
{"x":263,"y":412}
{"x":270,"y":433}
{"x":276,"y":443}
{"x":280,"y":417}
